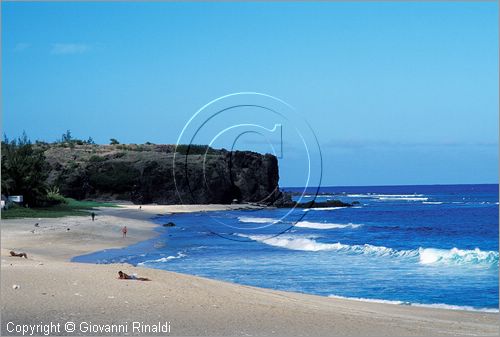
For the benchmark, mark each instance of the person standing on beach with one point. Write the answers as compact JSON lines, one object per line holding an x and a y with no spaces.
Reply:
{"x":93,"y":216}
{"x":124,"y":231}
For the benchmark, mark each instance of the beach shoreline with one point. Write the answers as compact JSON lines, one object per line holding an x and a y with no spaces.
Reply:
{"x":51,"y":288}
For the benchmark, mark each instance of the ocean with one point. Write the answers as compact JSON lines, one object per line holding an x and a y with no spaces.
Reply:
{"x":409,"y":245}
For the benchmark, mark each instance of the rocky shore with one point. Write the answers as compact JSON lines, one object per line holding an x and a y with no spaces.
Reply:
{"x":162,"y":174}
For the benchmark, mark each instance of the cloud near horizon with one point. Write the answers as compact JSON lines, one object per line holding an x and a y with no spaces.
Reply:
{"x":69,"y":48}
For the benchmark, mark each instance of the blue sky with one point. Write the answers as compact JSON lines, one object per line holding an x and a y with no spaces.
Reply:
{"x":396,"y":93}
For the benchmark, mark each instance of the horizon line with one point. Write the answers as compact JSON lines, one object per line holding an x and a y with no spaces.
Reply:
{"x":391,"y":185}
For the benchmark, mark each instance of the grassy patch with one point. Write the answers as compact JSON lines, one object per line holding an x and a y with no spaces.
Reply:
{"x":71,"y":207}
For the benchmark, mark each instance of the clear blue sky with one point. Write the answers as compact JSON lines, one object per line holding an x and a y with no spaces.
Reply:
{"x":397,"y":93}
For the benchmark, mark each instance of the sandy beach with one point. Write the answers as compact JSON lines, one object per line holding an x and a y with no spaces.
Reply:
{"x":46,"y":288}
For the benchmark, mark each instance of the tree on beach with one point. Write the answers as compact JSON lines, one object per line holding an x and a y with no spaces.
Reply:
{"x":114,"y":141}
{"x":23,"y":170}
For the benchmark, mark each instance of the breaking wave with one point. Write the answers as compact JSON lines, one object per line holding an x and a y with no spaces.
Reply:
{"x":425,"y":256}
{"x":324,"y":225}
{"x":322,"y":209}
{"x":385,"y":198}
{"x":319,"y":196}
{"x":391,"y":197}
{"x":163,"y":259}
{"x":458,"y":256}
{"x":248,"y":219}
{"x":374,"y":195}
{"x":302,"y":224}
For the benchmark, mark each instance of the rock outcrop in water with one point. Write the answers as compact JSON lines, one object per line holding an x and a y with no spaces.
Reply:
{"x":144,"y":174}
{"x":284,"y":200}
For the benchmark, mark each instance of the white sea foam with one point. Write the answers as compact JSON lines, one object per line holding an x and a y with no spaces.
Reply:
{"x":322,"y":209}
{"x":370,"y":300}
{"x":303,"y":224}
{"x":391,"y":197}
{"x":455,"y":255}
{"x":163,"y":259}
{"x":319,"y":196}
{"x":293,"y":242}
{"x":249,"y":219}
{"x":425,"y":256}
{"x":432,"y":202}
{"x":370,"y":195}
{"x":436,"y":305}
{"x":399,"y":195}
{"x":324,"y":225}
{"x":386,"y":198}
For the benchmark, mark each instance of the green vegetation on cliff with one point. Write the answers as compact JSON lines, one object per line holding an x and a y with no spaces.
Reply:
{"x":141,"y":173}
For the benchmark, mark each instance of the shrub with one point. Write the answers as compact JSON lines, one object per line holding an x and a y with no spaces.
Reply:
{"x":114,"y":177}
{"x":54,"y":197}
{"x":96,"y":159}
{"x":187,"y":149}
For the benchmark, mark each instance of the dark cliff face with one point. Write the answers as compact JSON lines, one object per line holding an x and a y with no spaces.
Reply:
{"x":144,"y":174}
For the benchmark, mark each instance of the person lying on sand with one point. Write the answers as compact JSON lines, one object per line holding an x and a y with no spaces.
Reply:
{"x":12,"y":253}
{"x":123,"y":276}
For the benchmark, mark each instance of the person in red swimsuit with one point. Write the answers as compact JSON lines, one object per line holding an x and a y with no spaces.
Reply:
{"x":124,"y":231}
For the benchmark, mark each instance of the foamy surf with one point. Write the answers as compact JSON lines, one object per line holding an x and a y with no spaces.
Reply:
{"x":436,"y":305}
{"x":163,"y":259}
{"x":322,"y":209}
{"x":391,"y":197}
{"x":324,"y":225}
{"x":403,"y":198}
{"x":425,"y":256}
{"x":302,"y":224}
{"x":394,"y":196}
{"x":319,"y":196}
{"x":459,"y":256}
{"x":248,"y":219}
